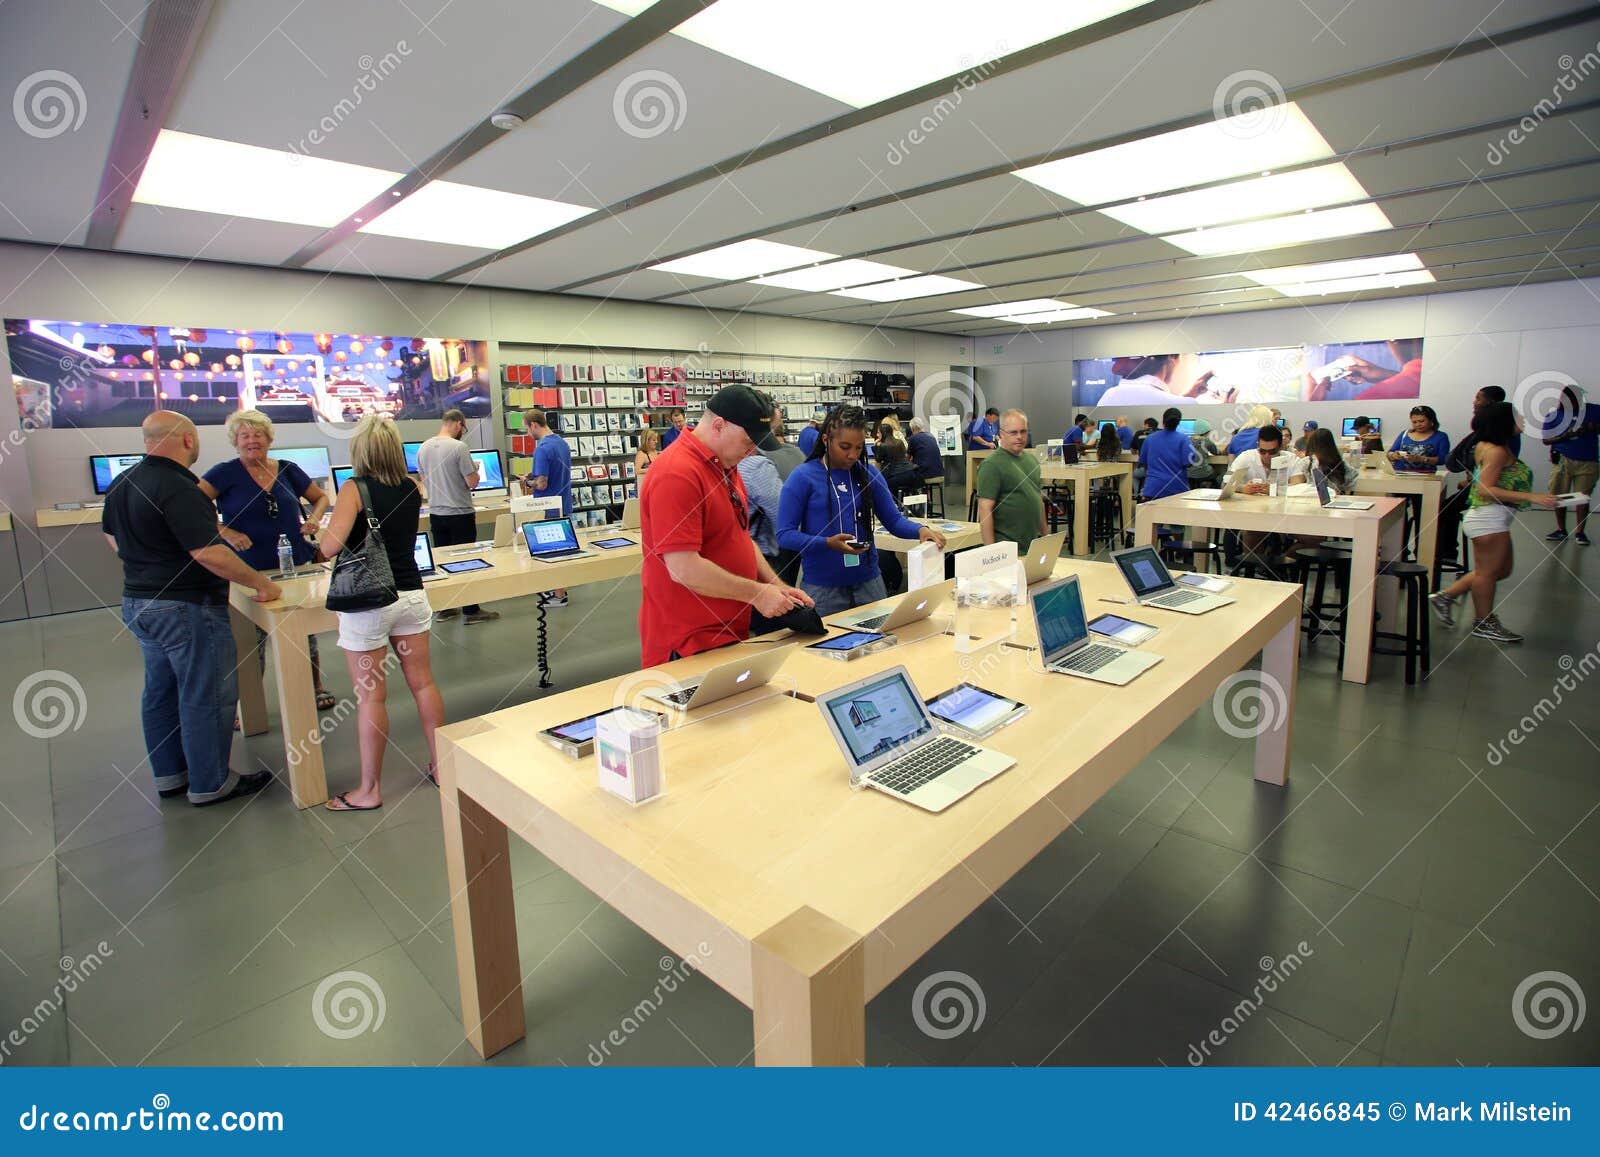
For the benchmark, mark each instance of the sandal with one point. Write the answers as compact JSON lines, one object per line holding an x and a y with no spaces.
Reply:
{"x":325,"y":701}
{"x":344,"y":805}
{"x":431,"y":775}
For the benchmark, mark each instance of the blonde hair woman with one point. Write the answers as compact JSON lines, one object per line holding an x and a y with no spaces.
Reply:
{"x":1250,"y":430}
{"x":258,"y":498}
{"x":379,"y":461}
{"x":649,"y":448}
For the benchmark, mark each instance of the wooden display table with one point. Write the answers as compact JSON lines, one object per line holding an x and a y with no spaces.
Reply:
{"x":1081,"y":476}
{"x":968,"y":536}
{"x":1430,"y":487}
{"x":802,"y":898}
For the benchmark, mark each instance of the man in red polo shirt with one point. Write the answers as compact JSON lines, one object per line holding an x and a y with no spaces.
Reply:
{"x":702,"y":571}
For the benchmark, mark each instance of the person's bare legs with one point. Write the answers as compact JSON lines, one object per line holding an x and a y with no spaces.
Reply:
{"x":367,"y":672}
{"x":415,"y":665}
{"x":1492,"y":558}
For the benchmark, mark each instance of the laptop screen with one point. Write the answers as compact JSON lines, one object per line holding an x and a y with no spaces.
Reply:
{"x":1320,"y":480}
{"x":490,"y":475}
{"x":411,"y":449}
{"x":878,"y":717}
{"x":1144,"y":570}
{"x":550,"y":536}
{"x":422,"y":551}
{"x":341,"y":475}
{"x":1058,"y":614}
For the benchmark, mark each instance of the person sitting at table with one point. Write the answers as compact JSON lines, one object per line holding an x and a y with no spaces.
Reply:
{"x":1244,"y":439}
{"x":379,"y":461}
{"x":1253,"y":473}
{"x":1366,"y":435}
{"x":924,"y":449}
{"x":1201,"y":471}
{"x":1146,"y":428}
{"x":1165,"y":457}
{"x":827,"y":506}
{"x":1424,"y":447}
{"x":258,"y":497}
{"x":1078,"y":431}
{"x":1303,"y":441}
{"x":1108,"y":445}
{"x":1124,"y":432}
{"x":1500,"y":484}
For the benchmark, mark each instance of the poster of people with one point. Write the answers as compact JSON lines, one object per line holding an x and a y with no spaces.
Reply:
{"x":72,"y":374}
{"x":1345,"y":372}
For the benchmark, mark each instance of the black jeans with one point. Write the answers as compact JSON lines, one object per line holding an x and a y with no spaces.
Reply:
{"x":455,"y":530}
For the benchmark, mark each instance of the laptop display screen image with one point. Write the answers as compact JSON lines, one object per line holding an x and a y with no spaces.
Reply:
{"x":1144,"y":571}
{"x":550,"y":536}
{"x":422,"y":551}
{"x":1059,"y":612}
{"x":879,"y":717}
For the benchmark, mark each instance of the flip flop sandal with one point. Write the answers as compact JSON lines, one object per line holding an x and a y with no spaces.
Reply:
{"x":326,"y":701}
{"x":346,"y":806}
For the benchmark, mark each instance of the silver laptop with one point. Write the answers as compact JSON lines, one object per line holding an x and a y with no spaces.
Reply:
{"x":1327,"y":498}
{"x":1212,"y":494}
{"x":1039,"y":563}
{"x":750,"y":670}
{"x":913,"y":607}
{"x":1153,"y":586}
{"x":630,"y":514}
{"x":1064,"y":640}
{"x":891,"y":742}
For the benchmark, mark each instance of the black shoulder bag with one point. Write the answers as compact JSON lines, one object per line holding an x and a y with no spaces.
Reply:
{"x":362,"y":578}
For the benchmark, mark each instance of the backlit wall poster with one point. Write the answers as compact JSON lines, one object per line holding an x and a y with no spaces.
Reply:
{"x":1344,"y":372}
{"x":71,"y":374}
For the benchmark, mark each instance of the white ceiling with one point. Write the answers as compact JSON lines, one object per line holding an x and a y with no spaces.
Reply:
{"x":927,"y":187}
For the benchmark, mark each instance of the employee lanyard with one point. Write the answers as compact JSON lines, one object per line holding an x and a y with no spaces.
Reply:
{"x":855,"y":507}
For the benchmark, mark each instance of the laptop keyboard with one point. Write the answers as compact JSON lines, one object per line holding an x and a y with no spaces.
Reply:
{"x":1089,"y":659}
{"x":927,"y":764}
{"x":1175,"y":598}
{"x":871,"y":624}
{"x":680,"y":696}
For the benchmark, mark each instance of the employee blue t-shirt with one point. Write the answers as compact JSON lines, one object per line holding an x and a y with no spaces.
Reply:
{"x":1074,"y":434}
{"x":1584,"y":447}
{"x":808,"y":439}
{"x":982,"y":428}
{"x":552,"y":461}
{"x":1244,"y":440}
{"x":1435,"y":445}
{"x":808,"y":517}
{"x":1125,"y":436}
{"x":1166,"y":456}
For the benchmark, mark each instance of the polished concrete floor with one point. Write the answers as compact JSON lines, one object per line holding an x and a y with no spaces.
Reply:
{"x":1385,"y":908}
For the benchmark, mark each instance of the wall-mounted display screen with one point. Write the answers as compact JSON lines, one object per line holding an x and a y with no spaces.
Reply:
{"x":104,"y":468}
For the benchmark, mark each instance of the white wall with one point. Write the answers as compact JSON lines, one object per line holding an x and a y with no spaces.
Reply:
{"x":1474,"y":338}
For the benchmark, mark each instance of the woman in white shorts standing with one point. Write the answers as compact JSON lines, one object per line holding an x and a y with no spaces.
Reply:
{"x":378,"y":459}
{"x":1501,"y":482}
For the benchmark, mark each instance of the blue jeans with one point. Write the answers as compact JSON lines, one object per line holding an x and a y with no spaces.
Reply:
{"x":191,"y":691}
{"x":832,"y":600}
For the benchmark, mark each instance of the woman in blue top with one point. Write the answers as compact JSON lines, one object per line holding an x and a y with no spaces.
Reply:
{"x":1424,"y":447}
{"x":827,"y":503}
{"x":1166,"y":455}
{"x":1249,"y":434}
{"x":259,"y":499}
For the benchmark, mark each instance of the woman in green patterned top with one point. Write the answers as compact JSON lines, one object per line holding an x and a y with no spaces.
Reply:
{"x":1501,"y":483}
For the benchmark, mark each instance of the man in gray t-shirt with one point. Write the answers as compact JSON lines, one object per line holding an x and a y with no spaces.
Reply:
{"x":449,"y":474}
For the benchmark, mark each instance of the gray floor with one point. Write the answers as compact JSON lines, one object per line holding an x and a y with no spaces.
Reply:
{"x":1425,"y":883}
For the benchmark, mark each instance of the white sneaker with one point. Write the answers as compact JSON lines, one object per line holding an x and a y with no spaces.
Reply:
{"x":1445,"y":607}
{"x":1489,"y":627}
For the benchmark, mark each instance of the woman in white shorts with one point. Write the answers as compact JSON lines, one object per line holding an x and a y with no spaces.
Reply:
{"x":1500,"y":483}
{"x":378,"y":459}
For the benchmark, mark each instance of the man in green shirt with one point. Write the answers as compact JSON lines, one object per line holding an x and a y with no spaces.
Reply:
{"x":1010,"y":499}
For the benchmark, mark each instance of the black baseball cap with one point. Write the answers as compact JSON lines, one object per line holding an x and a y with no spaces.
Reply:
{"x":749,"y":409}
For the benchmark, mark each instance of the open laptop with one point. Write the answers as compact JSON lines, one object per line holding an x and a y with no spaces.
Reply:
{"x":1379,"y":462}
{"x":1329,"y":501}
{"x":891,"y":742}
{"x":1153,"y":586}
{"x":422,"y":551}
{"x":1212,"y":494}
{"x":1039,"y":562}
{"x":750,"y":670}
{"x":630,"y":514}
{"x":552,"y":540}
{"x":1064,"y":641}
{"x":913,"y":607}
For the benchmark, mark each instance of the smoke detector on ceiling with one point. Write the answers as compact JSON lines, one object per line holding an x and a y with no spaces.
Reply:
{"x":506,"y":121}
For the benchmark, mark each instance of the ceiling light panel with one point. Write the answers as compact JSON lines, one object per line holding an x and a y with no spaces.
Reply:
{"x":1393,"y":271}
{"x":1295,"y":229}
{"x":1259,"y":197}
{"x":930,"y":39}
{"x":835,"y":275}
{"x":1217,"y":150}
{"x":1082,"y":313}
{"x":455,"y":214}
{"x":208,"y":175}
{"x":1015,"y":308}
{"x":743,"y":259}
{"x":1354,"y":284}
{"x":907,"y":288}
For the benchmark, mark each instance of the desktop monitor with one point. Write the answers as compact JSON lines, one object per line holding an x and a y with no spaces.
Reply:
{"x":491,"y":475}
{"x":312,"y":459}
{"x":341,"y":475}
{"x":411,"y":449}
{"x":1283,"y":423}
{"x":1348,"y":429}
{"x":104,"y":468}
{"x":1186,"y":427}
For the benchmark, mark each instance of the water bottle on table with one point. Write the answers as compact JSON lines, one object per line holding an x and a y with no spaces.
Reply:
{"x":285,"y":555}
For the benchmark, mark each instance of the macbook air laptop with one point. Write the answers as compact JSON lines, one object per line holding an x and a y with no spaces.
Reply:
{"x":750,"y":670}
{"x":502,"y":537}
{"x":892,"y":743}
{"x":1329,"y":501}
{"x":1064,"y":640}
{"x":552,"y":540}
{"x":1153,"y":586}
{"x":630,"y":514}
{"x":912,"y":608}
{"x":1039,"y":563}
{"x":1212,"y":494}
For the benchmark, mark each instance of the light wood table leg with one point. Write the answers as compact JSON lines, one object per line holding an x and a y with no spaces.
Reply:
{"x":810,"y":1006}
{"x":1144,"y":527}
{"x":1428,"y":532}
{"x":252,"y":693}
{"x":1363,"y":603}
{"x":1125,"y":488}
{"x":297,"y":714}
{"x":1080,"y":515}
{"x":1280,"y":669}
{"x":477,"y":853}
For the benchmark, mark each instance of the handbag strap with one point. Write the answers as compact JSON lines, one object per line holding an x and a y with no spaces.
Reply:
{"x":373,"y":525}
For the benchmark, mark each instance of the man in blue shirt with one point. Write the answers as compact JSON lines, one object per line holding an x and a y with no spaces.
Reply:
{"x":924,"y":449}
{"x":982,"y":435}
{"x":808,"y":436}
{"x":1573,"y":434}
{"x":1124,"y":432}
{"x":552,"y":475}
{"x":1075,"y":432}
{"x":678,"y":426}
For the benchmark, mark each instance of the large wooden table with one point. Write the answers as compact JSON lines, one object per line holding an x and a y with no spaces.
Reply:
{"x":1081,"y":477}
{"x":1366,"y":530}
{"x":798,"y":896}
{"x":969,"y":534}
{"x":1430,"y":487}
